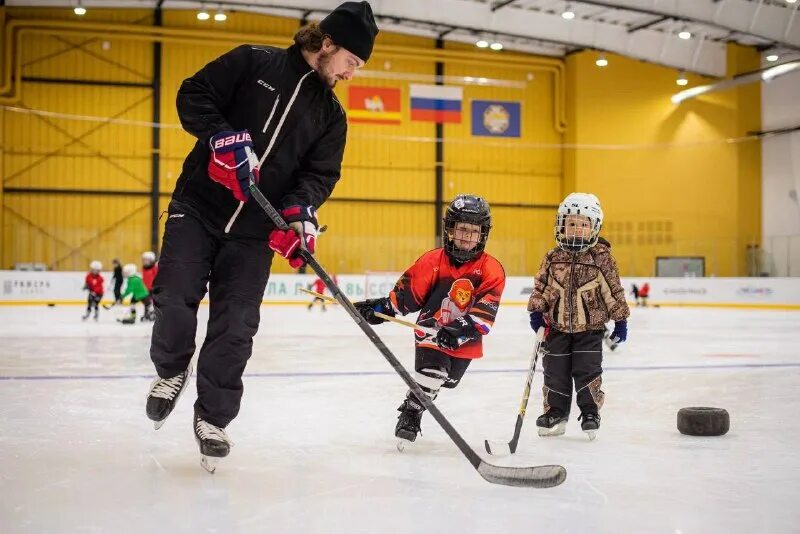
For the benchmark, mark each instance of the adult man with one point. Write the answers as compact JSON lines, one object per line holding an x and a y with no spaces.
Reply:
{"x":270,"y":112}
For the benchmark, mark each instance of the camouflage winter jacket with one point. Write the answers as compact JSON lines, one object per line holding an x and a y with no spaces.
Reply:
{"x":581,"y":291}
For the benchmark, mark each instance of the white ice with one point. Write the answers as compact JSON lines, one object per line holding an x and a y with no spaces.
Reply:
{"x":314,"y":447}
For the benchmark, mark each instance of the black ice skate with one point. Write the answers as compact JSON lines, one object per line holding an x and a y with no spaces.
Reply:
{"x":213,"y":441}
{"x":408,"y":422}
{"x":552,"y":423}
{"x":590,"y":423}
{"x":164,"y":394}
{"x":130,"y":319}
{"x":86,"y":316}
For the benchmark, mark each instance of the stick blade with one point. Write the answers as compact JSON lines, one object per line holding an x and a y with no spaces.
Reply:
{"x":497,"y":448}
{"x":540,"y":476}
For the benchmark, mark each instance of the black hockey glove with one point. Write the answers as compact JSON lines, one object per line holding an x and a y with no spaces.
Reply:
{"x":456,"y":333}
{"x":367,"y":309}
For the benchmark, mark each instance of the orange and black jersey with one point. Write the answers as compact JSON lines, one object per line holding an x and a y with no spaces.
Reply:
{"x":442,"y":291}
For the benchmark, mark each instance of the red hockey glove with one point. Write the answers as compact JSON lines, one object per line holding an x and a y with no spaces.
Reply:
{"x":231,"y":162}
{"x":302,"y":233}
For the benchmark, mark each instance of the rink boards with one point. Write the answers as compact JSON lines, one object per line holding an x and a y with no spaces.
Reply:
{"x":25,"y":287}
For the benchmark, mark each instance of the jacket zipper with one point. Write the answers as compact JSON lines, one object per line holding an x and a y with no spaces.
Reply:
{"x":571,"y":301}
{"x":271,"y":114}
{"x":272,"y":139}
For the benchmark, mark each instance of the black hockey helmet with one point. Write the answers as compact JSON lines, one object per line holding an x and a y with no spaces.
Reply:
{"x":468,"y":209}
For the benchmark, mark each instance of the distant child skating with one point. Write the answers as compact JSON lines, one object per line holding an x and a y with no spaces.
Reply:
{"x":93,"y":284}
{"x":135,"y":288}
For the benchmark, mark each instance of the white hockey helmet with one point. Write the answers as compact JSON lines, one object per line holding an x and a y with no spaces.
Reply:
{"x":149,"y":257}
{"x":129,"y":270}
{"x":96,"y":266}
{"x":585,"y":204}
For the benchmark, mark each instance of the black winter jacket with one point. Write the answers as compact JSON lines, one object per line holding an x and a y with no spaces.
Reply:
{"x":297,"y":125}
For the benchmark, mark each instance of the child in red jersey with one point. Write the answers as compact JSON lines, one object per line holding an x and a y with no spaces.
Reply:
{"x":456,"y":289}
{"x":94,"y":284}
{"x":149,"y":269}
{"x":318,"y":286}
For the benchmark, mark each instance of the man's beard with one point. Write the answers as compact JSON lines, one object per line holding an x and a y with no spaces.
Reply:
{"x":323,"y":63}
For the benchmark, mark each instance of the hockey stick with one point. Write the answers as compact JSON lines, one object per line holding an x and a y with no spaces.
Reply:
{"x":611,"y":344}
{"x":326,"y":298}
{"x":415,"y":326}
{"x":499,"y":447}
{"x":543,"y":476}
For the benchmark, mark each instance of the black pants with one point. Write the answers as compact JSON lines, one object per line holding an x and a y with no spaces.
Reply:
{"x":118,"y":291}
{"x":92,"y":301}
{"x":435,"y":370}
{"x":236,"y":271}
{"x":569,"y":357}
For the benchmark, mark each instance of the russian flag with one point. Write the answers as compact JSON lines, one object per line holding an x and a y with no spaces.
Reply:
{"x":436,"y":103}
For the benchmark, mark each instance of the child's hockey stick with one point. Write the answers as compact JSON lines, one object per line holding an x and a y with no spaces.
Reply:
{"x":501,"y":447}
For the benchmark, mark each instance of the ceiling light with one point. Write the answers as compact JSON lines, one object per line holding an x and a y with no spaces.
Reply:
{"x":220,"y":16}
{"x":601,"y":61}
{"x":79,"y":10}
{"x":496,"y":46}
{"x":481,"y":44}
{"x":568,"y":14}
{"x":772,"y":57}
{"x":685,"y":35}
{"x":682,"y":79}
{"x":203,"y":15}
{"x":791,"y":1}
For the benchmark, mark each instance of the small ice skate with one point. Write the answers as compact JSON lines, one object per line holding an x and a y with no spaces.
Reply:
{"x":213,"y":441}
{"x":552,"y":423}
{"x":590,"y":423}
{"x":408,"y":423}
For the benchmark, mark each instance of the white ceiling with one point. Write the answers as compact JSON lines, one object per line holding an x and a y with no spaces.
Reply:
{"x":642,"y":29}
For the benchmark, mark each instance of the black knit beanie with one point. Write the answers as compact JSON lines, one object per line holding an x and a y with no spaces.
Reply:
{"x":352,"y":26}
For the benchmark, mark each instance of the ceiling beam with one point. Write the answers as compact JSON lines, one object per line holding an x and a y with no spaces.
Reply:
{"x":501,"y":5}
{"x":753,"y":19}
{"x":645,"y":25}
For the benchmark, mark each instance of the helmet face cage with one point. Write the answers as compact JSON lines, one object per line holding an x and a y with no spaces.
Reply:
{"x":466,"y":209}
{"x":575,"y":243}
{"x":583,"y":205}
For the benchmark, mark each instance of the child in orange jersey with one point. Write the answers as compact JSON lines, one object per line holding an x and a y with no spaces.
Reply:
{"x":456,"y":289}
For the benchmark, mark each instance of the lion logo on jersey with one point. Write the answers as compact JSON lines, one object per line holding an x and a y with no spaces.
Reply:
{"x":458,"y":301}
{"x":461,"y":293}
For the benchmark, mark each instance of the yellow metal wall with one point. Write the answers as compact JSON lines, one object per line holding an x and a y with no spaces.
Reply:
{"x":694,"y":200}
{"x":670,"y":185}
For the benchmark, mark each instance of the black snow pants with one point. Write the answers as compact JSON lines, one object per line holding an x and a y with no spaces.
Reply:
{"x":236,"y":272}
{"x":569,"y":357}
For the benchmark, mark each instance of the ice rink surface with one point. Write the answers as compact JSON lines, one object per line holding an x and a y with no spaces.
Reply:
{"x":314,"y":447}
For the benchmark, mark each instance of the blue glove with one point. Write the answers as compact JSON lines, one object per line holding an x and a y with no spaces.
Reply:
{"x":620,"y":333}
{"x":232,"y":160}
{"x":367,"y":309}
{"x":537,"y":321}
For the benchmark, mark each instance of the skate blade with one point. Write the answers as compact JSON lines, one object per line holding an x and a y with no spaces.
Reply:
{"x":591,"y":433}
{"x":209,"y":463}
{"x":403,"y":444}
{"x":158,"y":424}
{"x":557,"y":430}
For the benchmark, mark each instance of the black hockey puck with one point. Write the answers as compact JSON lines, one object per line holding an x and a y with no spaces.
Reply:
{"x":701,"y":421}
